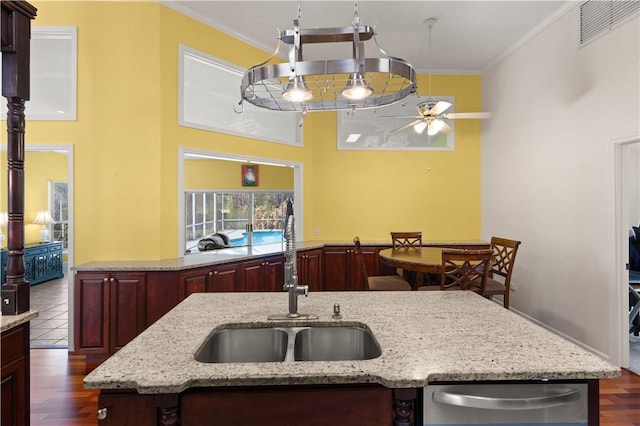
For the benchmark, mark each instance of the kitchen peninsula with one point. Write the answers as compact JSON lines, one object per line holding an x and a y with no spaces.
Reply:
{"x":116,"y":300}
{"x":424,"y":337}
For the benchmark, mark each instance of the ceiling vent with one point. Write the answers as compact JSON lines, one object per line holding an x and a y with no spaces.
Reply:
{"x":598,"y":17}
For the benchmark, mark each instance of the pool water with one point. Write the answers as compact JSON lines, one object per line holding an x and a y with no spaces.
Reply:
{"x":259,"y":237}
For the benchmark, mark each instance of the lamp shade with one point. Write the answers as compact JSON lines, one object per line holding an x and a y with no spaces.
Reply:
{"x":43,"y":217}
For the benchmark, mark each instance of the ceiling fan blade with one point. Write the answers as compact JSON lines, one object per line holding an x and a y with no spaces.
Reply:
{"x":477,"y":115}
{"x":413,"y":123}
{"x":439,"y":108}
{"x":446,"y":128}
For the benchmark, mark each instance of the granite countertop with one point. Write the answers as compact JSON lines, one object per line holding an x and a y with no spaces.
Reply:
{"x":11,"y":321}
{"x":234,"y":254}
{"x":424,"y":337}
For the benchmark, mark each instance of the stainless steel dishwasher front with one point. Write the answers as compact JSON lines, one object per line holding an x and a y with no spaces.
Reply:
{"x":531,"y":404}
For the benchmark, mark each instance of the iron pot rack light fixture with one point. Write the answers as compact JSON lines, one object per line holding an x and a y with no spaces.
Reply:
{"x":328,"y":84}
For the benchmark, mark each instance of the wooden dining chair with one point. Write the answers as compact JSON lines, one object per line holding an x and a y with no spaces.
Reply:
{"x":410,"y":241}
{"x":463,"y":270}
{"x":504,"y":256}
{"x":380,"y":282}
{"x":406,"y":239}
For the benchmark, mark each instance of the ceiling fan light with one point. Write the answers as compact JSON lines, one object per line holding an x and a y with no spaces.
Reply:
{"x":419,"y":128}
{"x":356,"y":88}
{"x":297,"y":91}
{"x":435,"y":127}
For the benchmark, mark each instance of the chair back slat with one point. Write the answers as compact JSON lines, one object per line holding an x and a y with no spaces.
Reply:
{"x":504,"y":256}
{"x":406,"y":239}
{"x":465,"y":269}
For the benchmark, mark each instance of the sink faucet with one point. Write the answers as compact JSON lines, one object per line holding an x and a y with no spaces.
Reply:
{"x":290,"y":269}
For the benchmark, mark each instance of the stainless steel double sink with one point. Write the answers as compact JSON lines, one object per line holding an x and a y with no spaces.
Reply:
{"x":289,"y":344}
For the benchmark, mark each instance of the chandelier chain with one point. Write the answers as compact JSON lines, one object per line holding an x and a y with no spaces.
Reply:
{"x":356,"y":17}
{"x":299,"y":9}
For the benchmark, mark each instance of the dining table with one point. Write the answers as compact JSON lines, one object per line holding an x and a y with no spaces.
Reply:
{"x":420,"y":265}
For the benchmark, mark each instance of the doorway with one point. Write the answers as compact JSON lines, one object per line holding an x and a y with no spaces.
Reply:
{"x":48,"y":178}
{"x":627,"y":212}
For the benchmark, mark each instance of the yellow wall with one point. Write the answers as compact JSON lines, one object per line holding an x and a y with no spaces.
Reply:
{"x":218,"y":174}
{"x":126,"y":143}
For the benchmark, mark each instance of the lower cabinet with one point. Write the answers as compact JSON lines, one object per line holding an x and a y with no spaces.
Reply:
{"x":356,"y":404}
{"x":342,"y":267}
{"x":223,"y":278}
{"x":110,"y":310}
{"x":14,"y":376}
{"x":310,"y":270}
{"x":263,"y":275}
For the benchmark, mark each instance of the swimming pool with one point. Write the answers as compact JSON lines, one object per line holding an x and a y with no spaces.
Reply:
{"x":267,"y":236}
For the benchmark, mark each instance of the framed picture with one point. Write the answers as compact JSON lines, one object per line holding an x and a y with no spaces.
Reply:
{"x":371,"y":129}
{"x":249,"y":175}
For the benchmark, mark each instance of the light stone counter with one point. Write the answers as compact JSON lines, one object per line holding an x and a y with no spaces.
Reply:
{"x":234,"y":254}
{"x":424,"y":337}
{"x":11,"y":321}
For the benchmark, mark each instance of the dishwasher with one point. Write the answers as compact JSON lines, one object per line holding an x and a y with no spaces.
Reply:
{"x":503,"y":404}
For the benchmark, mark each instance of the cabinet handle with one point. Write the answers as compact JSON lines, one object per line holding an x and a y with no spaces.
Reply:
{"x":215,"y":273}
{"x":112,"y":279}
{"x":102,"y":414}
{"x":104,"y":280}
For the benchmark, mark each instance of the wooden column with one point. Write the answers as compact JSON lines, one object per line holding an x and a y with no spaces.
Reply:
{"x":16,"y":35}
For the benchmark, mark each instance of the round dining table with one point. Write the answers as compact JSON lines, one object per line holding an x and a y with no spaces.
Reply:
{"x":424,"y":259}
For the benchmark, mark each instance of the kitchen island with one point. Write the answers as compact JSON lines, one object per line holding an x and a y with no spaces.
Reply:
{"x":424,"y":337}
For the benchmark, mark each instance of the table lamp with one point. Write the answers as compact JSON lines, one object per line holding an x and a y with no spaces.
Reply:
{"x":43,"y":217}
{"x":4,"y":220}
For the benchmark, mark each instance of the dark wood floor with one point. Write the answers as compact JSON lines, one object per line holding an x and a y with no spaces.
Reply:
{"x":59,"y":399}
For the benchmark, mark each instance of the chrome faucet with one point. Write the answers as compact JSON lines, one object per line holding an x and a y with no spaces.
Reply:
{"x":290,"y":269}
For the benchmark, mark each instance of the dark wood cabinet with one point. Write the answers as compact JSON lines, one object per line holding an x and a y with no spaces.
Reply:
{"x":126,"y":409}
{"x":342,"y":268}
{"x":14,"y":376}
{"x":263,"y":275}
{"x":109,"y":311}
{"x":127,"y":303}
{"x":222,"y":278}
{"x":310,"y":271}
{"x":367,"y":404}
{"x":112,"y":307}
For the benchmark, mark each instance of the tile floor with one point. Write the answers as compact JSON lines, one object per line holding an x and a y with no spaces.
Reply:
{"x":51,"y":328}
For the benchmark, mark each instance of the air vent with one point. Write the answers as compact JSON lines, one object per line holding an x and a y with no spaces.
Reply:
{"x":598,"y":17}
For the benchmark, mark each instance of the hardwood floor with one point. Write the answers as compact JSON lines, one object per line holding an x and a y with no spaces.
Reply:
{"x":59,"y":399}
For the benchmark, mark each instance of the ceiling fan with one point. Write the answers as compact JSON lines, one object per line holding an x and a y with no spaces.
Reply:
{"x":432,"y":116}
{"x":431,"y":112}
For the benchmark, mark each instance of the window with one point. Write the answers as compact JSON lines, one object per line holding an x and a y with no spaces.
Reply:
{"x":230,"y":212}
{"x":59,"y":208}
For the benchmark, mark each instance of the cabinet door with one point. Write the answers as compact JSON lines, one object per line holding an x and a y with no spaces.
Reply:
{"x":310,"y":269}
{"x":127,"y":409}
{"x":127,"y":308}
{"x":253,"y":275}
{"x":193,"y":281}
{"x":356,"y":280}
{"x":14,"y":376}
{"x":274,"y":274}
{"x":225,"y":278}
{"x":336,"y":268}
{"x":91,"y":313}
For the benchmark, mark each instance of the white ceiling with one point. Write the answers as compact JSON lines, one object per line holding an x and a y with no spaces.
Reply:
{"x":468,"y":37}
